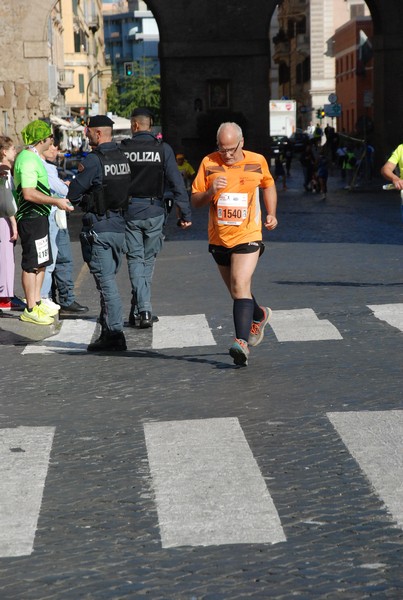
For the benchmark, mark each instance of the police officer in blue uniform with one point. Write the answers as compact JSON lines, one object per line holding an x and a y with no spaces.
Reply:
{"x":153,"y":170}
{"x":101,"y":189}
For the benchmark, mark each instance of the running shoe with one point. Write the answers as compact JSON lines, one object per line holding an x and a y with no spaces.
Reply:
{"x":257,"y":328}
{"x":5,"y":304}
{"x":239,"y":351}
{"x":46,"y":309}
{"x":36,"y":316}
{"x":50,"y":303}
{"x":17,"y":303}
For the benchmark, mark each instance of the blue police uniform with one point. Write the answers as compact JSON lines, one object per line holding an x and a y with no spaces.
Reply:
{"x":154,"y":170}
{"x":101,"y":189}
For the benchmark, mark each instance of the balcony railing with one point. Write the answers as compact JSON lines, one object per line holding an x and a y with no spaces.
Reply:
{"x":93,"y":22}
{"x":281,"y":51}
{"x":65,"y":79}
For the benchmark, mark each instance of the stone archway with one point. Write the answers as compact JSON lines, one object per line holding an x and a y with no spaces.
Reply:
{"x":213,"y":41}
{"x":214,"y":66}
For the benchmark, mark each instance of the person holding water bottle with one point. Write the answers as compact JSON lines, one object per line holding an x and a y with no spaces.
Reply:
{"x":388,"y":171}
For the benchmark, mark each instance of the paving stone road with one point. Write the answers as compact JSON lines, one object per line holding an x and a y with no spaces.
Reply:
{"x":167,"y":473}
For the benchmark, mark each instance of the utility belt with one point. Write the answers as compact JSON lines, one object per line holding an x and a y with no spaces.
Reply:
{"x":151,"y":201}
{"x":88,"y":219}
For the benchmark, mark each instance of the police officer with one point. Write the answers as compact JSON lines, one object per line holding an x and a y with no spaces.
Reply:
{"x":101,"y":189}
{"x":153,"y":170}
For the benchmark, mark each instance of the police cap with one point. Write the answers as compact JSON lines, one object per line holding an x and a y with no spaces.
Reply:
{"x":100,"y":121}
{"x":142,"y":112}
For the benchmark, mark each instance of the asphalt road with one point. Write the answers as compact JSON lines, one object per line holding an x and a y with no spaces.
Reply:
{"x":167,"y":473}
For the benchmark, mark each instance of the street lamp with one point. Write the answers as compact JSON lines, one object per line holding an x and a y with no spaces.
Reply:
{"x":88,"y":86}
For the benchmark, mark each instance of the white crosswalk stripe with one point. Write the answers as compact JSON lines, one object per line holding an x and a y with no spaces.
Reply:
{"x":375,"y":440}
{"x":391,"y":313}
{"x":24,"y":459}
{"x":302,"y":325}
{"x":209,"y":489}
{"x":73,"y":337}
{"x":207,"y":485}
{"x":183,"y":331}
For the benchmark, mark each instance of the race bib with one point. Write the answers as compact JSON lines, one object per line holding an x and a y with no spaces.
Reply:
{"x":232,"y":209}
{"x":42,"y":250}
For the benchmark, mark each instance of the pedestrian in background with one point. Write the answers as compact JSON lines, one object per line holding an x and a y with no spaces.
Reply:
{"x":8,"y":232}
{"x":186,"y":170}
{"x":322,"y":173}
{"x":59,"y":275}
{"x":154,"y":171}
{"x":279,"y":170}
{"x":34,"y":203}
{"x":227,"y":181}
{"x":101,"y":189}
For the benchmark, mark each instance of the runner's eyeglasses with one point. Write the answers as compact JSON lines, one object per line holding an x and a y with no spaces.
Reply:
{"x":230,"y":151}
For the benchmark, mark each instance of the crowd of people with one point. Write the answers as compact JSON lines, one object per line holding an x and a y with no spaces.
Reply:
{"x":123,"y":190}
{"x":325,"y":151}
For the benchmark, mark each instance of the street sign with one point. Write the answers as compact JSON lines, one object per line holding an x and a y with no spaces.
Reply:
{"x":332,"y":110}
{"x":332,"y":98}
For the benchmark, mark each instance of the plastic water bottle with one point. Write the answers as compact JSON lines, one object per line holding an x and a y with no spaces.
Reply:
{"x":388,"y":186}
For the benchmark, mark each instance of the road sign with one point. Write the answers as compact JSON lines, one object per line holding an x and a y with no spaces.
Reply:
{"x":332,"y":98}
{"x":332,"y":110}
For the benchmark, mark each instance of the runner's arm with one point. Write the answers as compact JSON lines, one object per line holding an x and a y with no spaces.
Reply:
{"x":387,"y":171}
{"x":270,"y":202}
{"x":37,"y":197}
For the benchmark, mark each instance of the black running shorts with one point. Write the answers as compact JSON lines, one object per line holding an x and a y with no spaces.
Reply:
{"x":36,"y":250}
{"x":222,"y":255}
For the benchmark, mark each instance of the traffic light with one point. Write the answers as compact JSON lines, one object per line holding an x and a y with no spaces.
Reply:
{"x":318,"y":113}
{"x":322,"y":114}
{"x":128,"y":69}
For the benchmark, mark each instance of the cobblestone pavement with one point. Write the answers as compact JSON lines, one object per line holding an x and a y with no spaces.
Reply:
{"x":98,"y":532}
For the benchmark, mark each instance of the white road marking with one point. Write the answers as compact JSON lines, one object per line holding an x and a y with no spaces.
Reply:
{"x":208,"y":487}
{"x":302,"y":325}
{"x":375,"y":440}
{"x":24,"y":460}
{"x":74,"y":336}
{"x":183,"y":331}
{"x":391,"y":313}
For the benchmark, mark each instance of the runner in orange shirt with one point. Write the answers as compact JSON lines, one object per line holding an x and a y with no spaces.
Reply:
{"x":228,"y":181}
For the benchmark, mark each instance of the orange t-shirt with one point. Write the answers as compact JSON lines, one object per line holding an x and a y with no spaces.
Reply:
{"x":234,"y":216}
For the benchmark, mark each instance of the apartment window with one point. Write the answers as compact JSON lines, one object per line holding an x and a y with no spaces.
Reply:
{"x":75,"y":7}
{"x":301,"y":26}
{"x":298,"y":74}
{"x":80,"y":44}
{"x":283,"y":73}
{"x":306,"y":69}
{"x":81,"y":83}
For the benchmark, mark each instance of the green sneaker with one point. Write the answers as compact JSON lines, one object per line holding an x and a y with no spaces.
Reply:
{"x":257,"y":328}
{"x":36,"y":316}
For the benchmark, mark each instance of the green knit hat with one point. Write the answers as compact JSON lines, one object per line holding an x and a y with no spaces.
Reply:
{"x":36,"y":131}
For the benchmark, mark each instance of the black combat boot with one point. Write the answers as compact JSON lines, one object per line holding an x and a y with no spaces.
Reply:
{"x":109,"y":341}
{"x":146,"y":319}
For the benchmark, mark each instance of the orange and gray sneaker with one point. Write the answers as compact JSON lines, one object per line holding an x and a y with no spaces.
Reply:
{"x":257,"y":328}
{"x":36,"y":316}
{"x":239,"y":351}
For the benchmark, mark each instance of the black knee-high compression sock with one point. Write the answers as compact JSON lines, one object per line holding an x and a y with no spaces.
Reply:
{"x":258,"y":314}
{"x":243,"y":315}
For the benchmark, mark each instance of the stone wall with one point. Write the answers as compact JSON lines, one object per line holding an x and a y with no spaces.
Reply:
{"x":24,"y":94}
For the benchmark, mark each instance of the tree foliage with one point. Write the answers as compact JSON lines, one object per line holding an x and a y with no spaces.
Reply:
{"x":141,"y":89}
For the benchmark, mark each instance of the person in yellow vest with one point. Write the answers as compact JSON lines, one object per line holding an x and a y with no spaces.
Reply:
{"x":187,"y":171}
